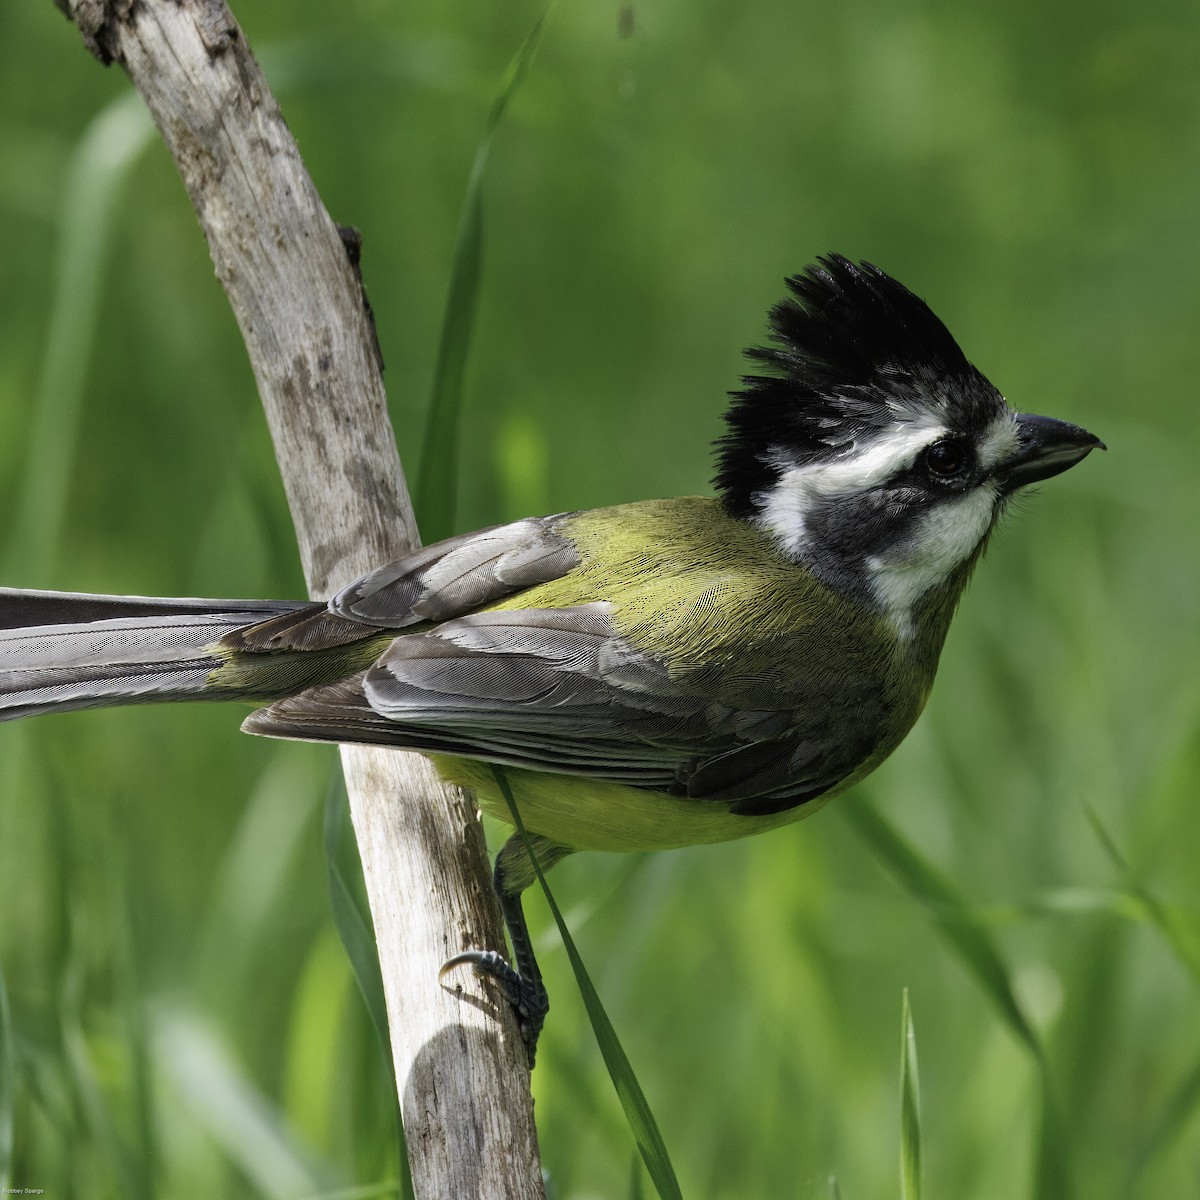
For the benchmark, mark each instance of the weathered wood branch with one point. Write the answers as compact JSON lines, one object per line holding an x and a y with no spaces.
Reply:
{"x":460,"y":1070}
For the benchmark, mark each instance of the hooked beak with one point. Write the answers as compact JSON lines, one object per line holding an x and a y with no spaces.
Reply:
{"x":1048,"y":447}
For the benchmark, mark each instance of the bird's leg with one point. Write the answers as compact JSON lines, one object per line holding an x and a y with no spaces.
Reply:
{"x":521,"y":985}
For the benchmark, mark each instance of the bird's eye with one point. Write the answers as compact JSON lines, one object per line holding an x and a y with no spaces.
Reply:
{"x":946,"y":459}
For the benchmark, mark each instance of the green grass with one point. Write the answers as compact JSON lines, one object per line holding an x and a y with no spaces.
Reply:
{"x":182,"y":1018}
{"x":436,"y":500}
{"x":7,"y":1087}
{"x":910,"y":1109}
{"x":642,"y":1126}
{"x":971,"y":942}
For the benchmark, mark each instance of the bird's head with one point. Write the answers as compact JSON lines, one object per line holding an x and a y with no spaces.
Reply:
{"x":871,"y":450}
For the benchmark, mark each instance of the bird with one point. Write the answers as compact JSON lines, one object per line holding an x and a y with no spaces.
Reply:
{"x":647,"y":676}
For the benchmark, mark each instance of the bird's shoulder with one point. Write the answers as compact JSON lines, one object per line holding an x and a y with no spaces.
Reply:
{"x":686,"y":582}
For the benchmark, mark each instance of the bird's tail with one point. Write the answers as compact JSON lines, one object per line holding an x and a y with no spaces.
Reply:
{"x":62,"y":650}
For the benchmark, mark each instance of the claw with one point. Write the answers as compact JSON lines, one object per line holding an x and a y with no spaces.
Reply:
{"x":521,"y":986}
{"x":527,"y":998}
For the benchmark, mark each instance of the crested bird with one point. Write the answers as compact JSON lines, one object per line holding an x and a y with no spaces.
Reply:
{"x":652,"y":675}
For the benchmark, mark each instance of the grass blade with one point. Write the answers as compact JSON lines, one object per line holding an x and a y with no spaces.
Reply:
{"x":1176,"y":928}
{"x":353,"y":924}
{"x":635,"y":1179}
{"x":8,"y":1068}
{"x":437,"y":477}
{"x":910,"y":1108}
{"x":629,"y":1092}
{"x":352,"y":919}
{"x":974,"y":945}
{"x":951,"y":911}
{"x":1176,"y":1115}
{"x":226,"y":1104}
{"x":1180,"y":934}
{"x":99,"y":169}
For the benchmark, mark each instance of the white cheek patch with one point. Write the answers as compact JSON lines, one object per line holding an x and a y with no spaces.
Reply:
{"x":938,"y":542}
{"x":785,"y":506}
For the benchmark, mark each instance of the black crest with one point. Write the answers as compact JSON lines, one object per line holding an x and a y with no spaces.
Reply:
{"x":854,"y":351}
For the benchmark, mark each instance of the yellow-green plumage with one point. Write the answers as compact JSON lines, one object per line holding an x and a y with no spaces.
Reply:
{"x":588,"y":814}
{"x":687,"y":583}
{"x":263,"y":676}
{"x":711,"y":598}
{"x":768,"y":692}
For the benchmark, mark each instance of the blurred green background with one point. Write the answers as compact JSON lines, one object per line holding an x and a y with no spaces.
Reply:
{"x":181,"y":1020}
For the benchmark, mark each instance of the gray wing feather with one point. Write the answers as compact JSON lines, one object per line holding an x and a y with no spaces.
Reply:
{"x":560,"y":690}
{"x":430,"y":585}
{"x":563,"y":686}
{"x":459,"y":575}
{"x":534,"y":681}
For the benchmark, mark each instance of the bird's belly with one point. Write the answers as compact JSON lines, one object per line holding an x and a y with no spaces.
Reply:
{"x":587,"y":814}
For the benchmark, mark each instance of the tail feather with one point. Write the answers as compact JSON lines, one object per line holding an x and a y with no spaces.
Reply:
{"x":63,"y":650}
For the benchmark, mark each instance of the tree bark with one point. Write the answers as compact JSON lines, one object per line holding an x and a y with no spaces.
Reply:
{"x":460,"y":1070}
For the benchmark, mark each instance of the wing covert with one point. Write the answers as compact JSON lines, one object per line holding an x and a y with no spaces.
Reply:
{"x":432,"y":584}
{"x":460,"y":574}
{"x":559,"y":690}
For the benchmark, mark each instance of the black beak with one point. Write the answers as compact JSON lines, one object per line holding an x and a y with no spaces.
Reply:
{"x":1048,"y":447}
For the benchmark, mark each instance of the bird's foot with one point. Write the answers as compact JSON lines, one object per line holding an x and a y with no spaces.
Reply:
{"x":527,"y":997}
